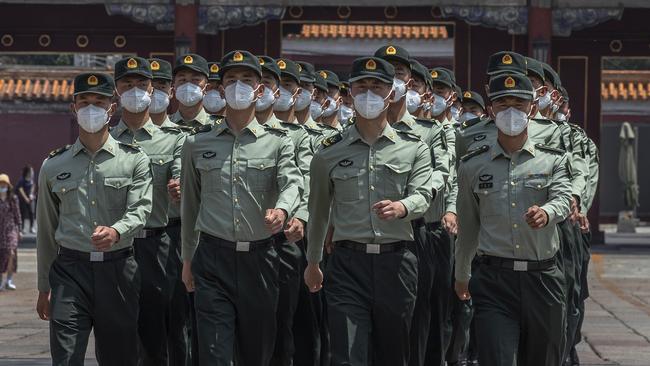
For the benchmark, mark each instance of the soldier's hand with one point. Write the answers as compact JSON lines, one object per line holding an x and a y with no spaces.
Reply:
{"x":575,"y":211}
{"x":462,"y":290}
{"x":174,"y":189}
{"x":536,"y":217}
{"x":43,"y":305}
{"x":389,"y":210}
{"x":313,"y":277}
{"x":274,"y":220}
{"x":584,"y":223}
{"x":104,"y":237}
{"x":295,"y":230}
{"x":450,"y":223}
{"x":187,"y":276}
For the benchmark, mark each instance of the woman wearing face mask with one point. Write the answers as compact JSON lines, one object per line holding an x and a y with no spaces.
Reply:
{"x":94,"y":196}
{"x":512,"y":194}
{"x":376,"y":180}
{"x":190,"y":86}
{"x":10,"y":233}
{"x":240,"y":183}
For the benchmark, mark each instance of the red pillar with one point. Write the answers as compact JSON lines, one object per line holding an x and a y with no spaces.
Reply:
{"x":185,"y":26}
{"x":540,"y":31}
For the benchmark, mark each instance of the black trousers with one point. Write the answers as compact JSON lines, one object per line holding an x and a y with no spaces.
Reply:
{"x":424,"y":249}
{"x":370,"y":300}
{"x":520,"y":316}
{"x":99,"y":296}
{"x":236,"y":299}
{"x":290,"y":282}
{"x":178,"y":310}
{"x":570,"y":266}
{"x":152,"y":254}
{"x":441,"y":327}
{"x":585,"y":258}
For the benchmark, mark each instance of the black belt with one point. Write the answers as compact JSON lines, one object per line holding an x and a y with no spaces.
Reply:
{"x":371,"y":248}
{"x":517,"y":265}
{"x":148,"y":233}
{"x":238,"y":246}
{"x":176,"y":221}
{"x":96,"y":256}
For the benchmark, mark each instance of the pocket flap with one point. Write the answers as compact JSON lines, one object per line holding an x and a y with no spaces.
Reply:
{"x":537,"y":183}
{"x":261,"y":164}
{"x":398,"y":168}
{"x":64,"y":187}
{"x":209,"y":164}
{"x":117,"y":182}
{"x":345,"y":173}
{"x":161,"y":159}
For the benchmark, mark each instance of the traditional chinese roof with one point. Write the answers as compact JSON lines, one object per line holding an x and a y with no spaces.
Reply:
{"x":625,"y":85}
{"x":377,"y":31}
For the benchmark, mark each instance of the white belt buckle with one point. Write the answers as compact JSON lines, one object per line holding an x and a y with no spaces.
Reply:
{"x":96,"y":256}
{"x":243,"y":246}
{"x":520,"y":266}
{"x":373,"y":249}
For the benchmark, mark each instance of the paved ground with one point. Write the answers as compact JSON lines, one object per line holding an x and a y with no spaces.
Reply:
{"x":617,"y":329}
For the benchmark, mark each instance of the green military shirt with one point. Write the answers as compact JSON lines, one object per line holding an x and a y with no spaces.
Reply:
{"x":350,"y":176}
{"x":591,"y":151}
{"x":163,"y":146}
{"x":316,"y":133}
{"x":229,"y":181}
{"x":329,"y":130}
{"x":78,"y":191}
{"x":201,"y":119}
{"x":174,"y":210}
{"x":452,"y":183}
{"x":495,"y":191}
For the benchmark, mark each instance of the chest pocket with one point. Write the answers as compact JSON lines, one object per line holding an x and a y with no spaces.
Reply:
{"x":347,"y":184}
{"x":260,"y":174}
{"x":395,"y":180}
{"x":536,"y":190}
{"x":492,"y":197}
{"x":68,"y":194}
{"x":116,"y":190}
{"x":211,"y":171}
{"x":161,"y":165}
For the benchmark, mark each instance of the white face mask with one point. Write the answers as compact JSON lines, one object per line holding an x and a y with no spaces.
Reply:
{"x":369,"y":105}
{"x":345,"y":113}
{"x":455,"y":113}
{"x":284,"y":102}
{"x":426,"y":106}
{"x":265,"y":101}
{"x":544,"y":101}
{"x":315,"y":110}
{"x":135,"y":100}
{"x":555,"y":108}
{"x":213,"y":102}
{"x":331,"y":108}
{"x":413,"y":101}
{"x":439,"y":105}
{"x":303,"y":100}
{"x":240,"y":95}
{"x":92,"y":118}
{"x":400,"y":89}
{"x":4,"y":189}
{"x":189,"y":94}
{"x":512,"y":121}
{"x":466,"y":116}
{"x":159,"y":101}
{"x":560,"y":117}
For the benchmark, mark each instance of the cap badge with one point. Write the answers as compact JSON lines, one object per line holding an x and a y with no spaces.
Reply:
{"x":467,"y":95}
{"x":92,"y":80}
{"x":323,"y":74}
{"x":214,"y":68}
{"x":282,"y":65}
{"x":188,"y":59}
{"x":261,"y":61}
{"x":299,"y":67}
{"x":510,"y":82}
{"x":155,"y":66}
{"x":434,"y":74}
{"x":371,"y":65}
{"x":507,"y":59}
{"x":132,"y":63}
{"x":391,"y":50}
{"x":238,"y":57}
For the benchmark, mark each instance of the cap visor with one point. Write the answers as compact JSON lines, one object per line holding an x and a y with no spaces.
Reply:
{"x":371,"y":75}
{"x":95,"y":91}
{"x":523,"y":94}
{"x":233,"y":66}
{"x":191,"y":67}
{"x":134,"y":72}
{"x":296,"y":78}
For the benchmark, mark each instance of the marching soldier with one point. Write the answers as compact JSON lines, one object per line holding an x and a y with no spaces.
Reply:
{"x":213,"y":102}
{"x":376,"y":180}
{"x":94,"y":196}
{"x":161,"y":71}
{"x":331,"y":105}
{"x":305,"y":100}
{"x":190,"y":84}
{"x":346,"y":110}
{"x":473,"y":106}
{"x":512,"y":193}
{"x":271,"y":81}
{"x":239,"y":184}
{"x":152,"y":245}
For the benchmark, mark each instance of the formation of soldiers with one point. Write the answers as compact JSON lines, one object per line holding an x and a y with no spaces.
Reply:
{"x":284,"y":217}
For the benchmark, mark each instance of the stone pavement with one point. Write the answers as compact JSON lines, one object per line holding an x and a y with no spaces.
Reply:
{"x":616,"y":331}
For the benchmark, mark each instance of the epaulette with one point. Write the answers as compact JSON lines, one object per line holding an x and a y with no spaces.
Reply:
{"x":332,"y":140}
{"x":174,"y":129}
{"x":576,"y":127}
{"x":470,"y":123}
{"x":184,"y":128}
{"x":476,"y":152}
{"x":58,"y":151}
{"x":550,"y":149}
{"x":351,"y":121}
{"x":409,"y":134}
{"x":217,"y":119}
{"x":201,"y":129}
{"x":277,"y":129}
{"x":295,"y":126}
{"x":130,"y":146}
{"x":426,"y":120}
{"x":543,"y":120}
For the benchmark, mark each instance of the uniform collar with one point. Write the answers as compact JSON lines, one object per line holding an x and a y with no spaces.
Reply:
{"x":497,"y":150}
{"x":407,"y":119}
{"x":110,"y":146}
{"x":353,"y":134}
{"x":272,"y":122}
{"x":149,"y":127}
{"x":201,"y":118}
{"x":254,"y":127}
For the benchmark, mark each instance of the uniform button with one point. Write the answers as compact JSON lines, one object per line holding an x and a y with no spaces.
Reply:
{"x":160,"y":161}
{"x":513,"y":204}
{"x":63,"y":190}
{"x":261,"y":165}
{"x":539,"y":186}
{"x":92,"y":203}
{"x":372,"y":168}
{"x":515,"y":226}
{"x":236,"y":200}
{"x":92,"y":181}
{"x":517,"y":246}
{"x":372,"y":188}
{"x":512,"y":183}
{"x":95,"y":223}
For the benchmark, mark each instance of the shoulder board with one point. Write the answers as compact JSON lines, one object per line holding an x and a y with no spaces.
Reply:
{"x":544,"y":120}
{"x":201,"y":129}
{"x":352,"y":120}
{"x":426,"y":120}
{"x":175,"y":129}
{"x":58,"y":151}
{"x":476,"y":152}
{"x":294,"y":126}
{"x":470,"y":123}
{"x":549,"y":149}
{"x":185,"y":128}
{"x":332,"y":140}
{"x":217,"y":118}
{"x":575,"y":127}
{"x":409,"y":134}
{"x":130,"y":146}
{"x":278,"y":129}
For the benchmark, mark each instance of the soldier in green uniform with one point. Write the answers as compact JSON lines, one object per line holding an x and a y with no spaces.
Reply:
{"x":331,"y":104}
{"x":162,"y":91}
{"x":94,"y":196}
{"x":162,"y":145}
{"x":240,"y":184}
{"x":271,"y":82}
{"x":376,"y":180}
{"x":213,"y":102}
{"x":473,"y":106}
{"x":190,"y":84}
{"x":512,"y":193}
{"x":401,"y":61}
{"x":346,"y":110}
{"x":305,"y":100}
